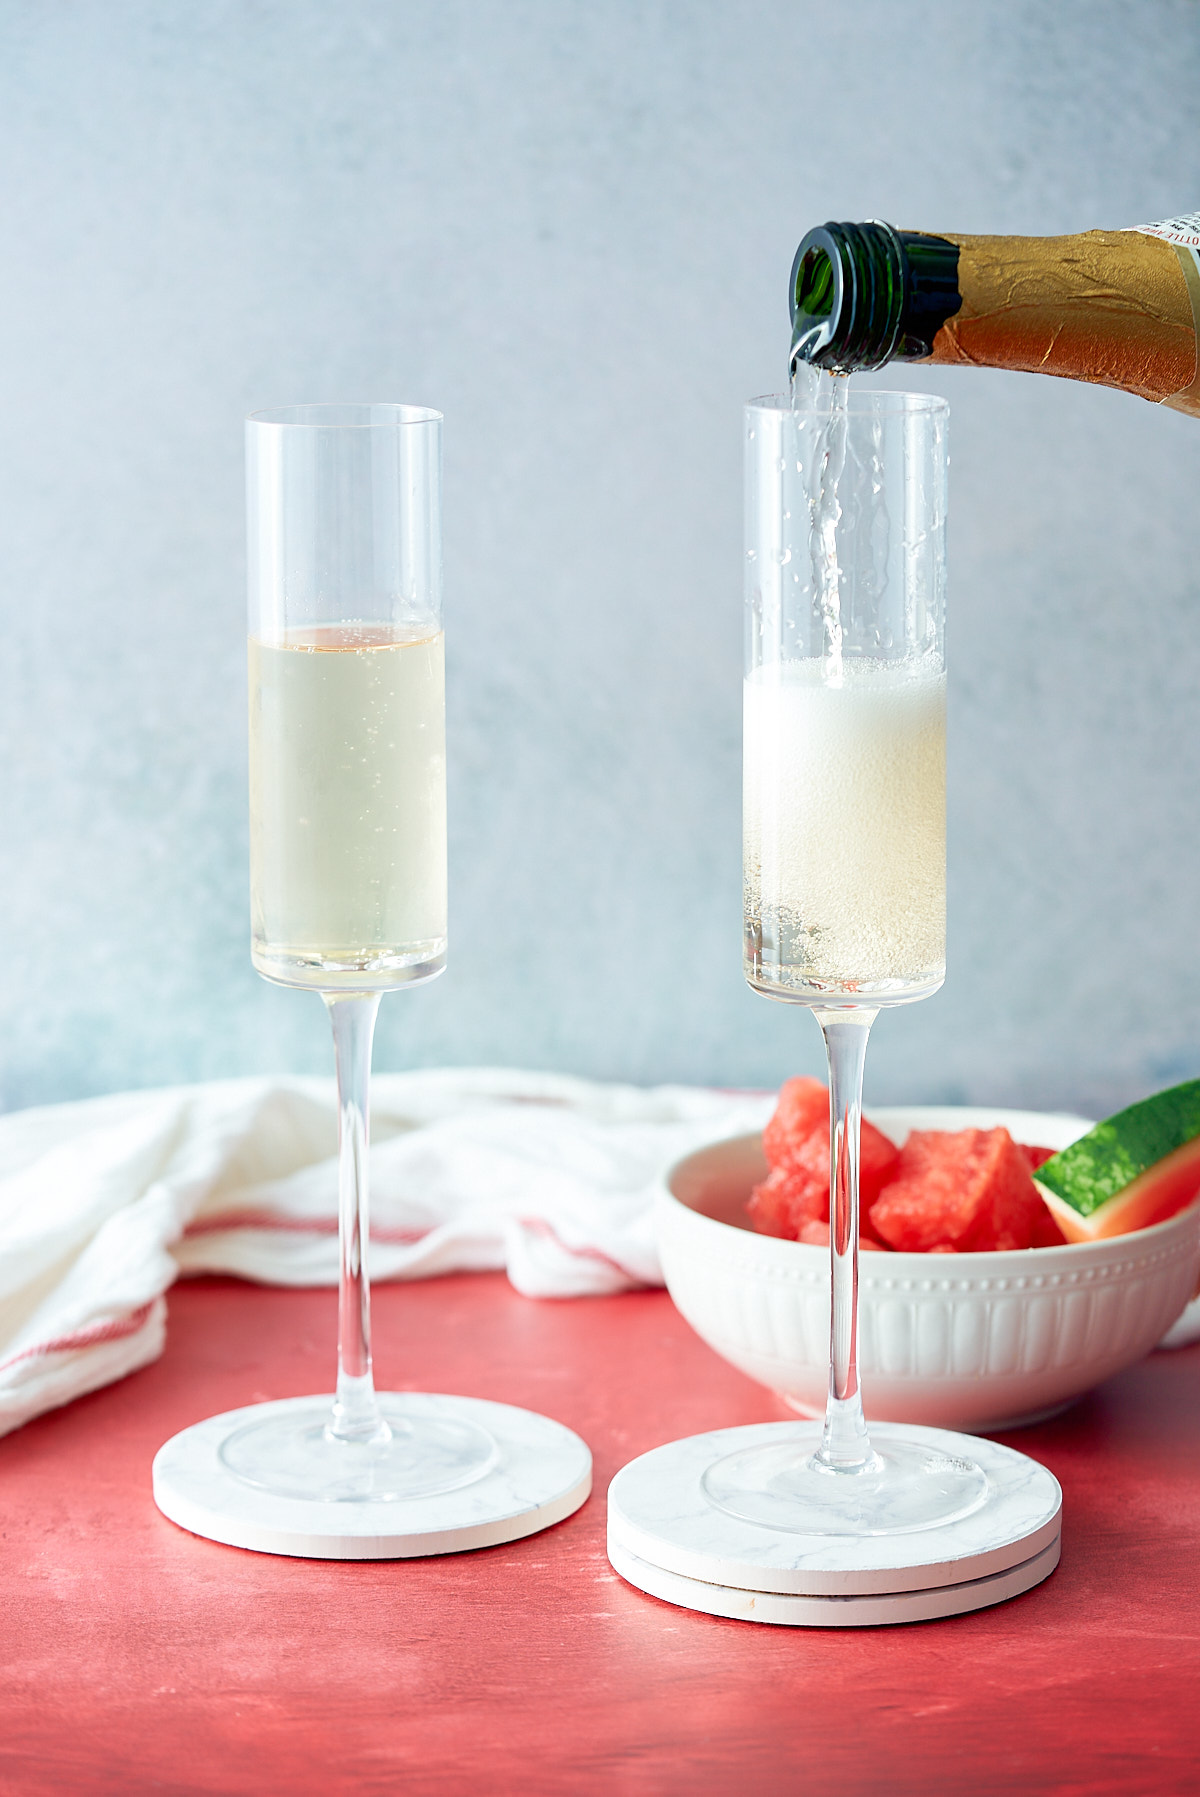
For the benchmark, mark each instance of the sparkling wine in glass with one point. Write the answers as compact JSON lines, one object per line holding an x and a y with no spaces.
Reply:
{"x":844,"y":854}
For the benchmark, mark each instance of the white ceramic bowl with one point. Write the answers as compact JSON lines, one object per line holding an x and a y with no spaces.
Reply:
{"x":976,"y":1341}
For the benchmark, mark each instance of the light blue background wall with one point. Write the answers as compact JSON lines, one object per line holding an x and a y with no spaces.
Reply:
{"x":570,"y":227}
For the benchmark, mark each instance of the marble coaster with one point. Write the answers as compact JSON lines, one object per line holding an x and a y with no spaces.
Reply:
{"x":835,"y":1612}
{"x":665,"y":1537}
{"x":543,"y":1473}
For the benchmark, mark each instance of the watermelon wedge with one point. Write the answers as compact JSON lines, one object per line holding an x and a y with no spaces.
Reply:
{"x":1132,"y":1170}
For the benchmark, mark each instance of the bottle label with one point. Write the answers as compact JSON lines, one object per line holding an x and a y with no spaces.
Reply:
{"x":1184,"y":230}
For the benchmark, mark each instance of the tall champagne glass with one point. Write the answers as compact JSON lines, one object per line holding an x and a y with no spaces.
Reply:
{"x":348,"y":852}
{"x":845,"y":854}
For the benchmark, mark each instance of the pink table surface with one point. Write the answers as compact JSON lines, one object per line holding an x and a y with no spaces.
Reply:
{"x":136,"y":1657}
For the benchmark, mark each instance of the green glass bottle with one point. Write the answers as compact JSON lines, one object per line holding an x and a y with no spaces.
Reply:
{"x":1121,"y":308}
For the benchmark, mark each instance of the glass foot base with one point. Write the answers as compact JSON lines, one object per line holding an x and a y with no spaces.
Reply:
{"x":296,"y":1455}
{"x":906,"y":1486}
{"x":456,"y":1474}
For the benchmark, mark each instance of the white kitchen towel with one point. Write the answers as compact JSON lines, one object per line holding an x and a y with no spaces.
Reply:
{"x":105,"y":1202}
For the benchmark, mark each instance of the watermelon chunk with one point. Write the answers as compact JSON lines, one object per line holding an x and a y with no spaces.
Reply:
{"x":797,"y":1137}
{"x":786,"y":1200}
{"x":958,"y":1192}
{"x":796,"y":1143}
{"x":802,"y":1109}
{"x":1134,"y":1169}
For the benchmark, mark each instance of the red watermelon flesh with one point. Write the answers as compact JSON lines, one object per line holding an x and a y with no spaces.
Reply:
{"x":803,"y":1106}
{"x":946,"y":1193}
{"x":790,"y":1202}
{"x":784,"y":1201}
{"x":1046,"y":1233}
{"x":796,"y":1144}
{"x":960,"y":1192}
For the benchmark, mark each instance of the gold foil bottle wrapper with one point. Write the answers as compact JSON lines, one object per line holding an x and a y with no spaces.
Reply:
{"x":1113,"y":307}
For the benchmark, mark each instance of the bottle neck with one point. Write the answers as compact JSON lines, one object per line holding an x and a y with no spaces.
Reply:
{"x":866,"y":294}
{"x":1121,"y":308}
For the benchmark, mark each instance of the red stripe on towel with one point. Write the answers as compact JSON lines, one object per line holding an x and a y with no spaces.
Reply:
{"x":539,"y":1226}
{"x":274,"y":1220}
{"x":270,"y":1219}
{"x":86,"y":1338}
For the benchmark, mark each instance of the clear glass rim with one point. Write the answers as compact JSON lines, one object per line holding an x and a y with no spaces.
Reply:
{"x":350,"y":414}
{"x":858,"y":400}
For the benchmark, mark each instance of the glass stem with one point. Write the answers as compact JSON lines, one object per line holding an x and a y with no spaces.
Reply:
{"x":355,"y":1409}
{"x":845,"y":1446}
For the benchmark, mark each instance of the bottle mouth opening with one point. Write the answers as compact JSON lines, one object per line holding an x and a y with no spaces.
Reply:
{"x":863,"y":294}
{"x":816,"y":301}
{"x":847,"y":298}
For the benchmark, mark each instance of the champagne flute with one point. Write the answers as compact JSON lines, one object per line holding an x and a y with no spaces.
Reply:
{"x":348,"y":899}
{"x":844,"y":856}
{"x":348,"y":852}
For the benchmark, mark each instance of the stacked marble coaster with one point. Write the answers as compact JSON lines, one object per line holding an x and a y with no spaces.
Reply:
{"x":665,"y":1537}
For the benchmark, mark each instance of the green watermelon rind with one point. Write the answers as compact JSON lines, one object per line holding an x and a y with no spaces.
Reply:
{"x":1100,"y":1165}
